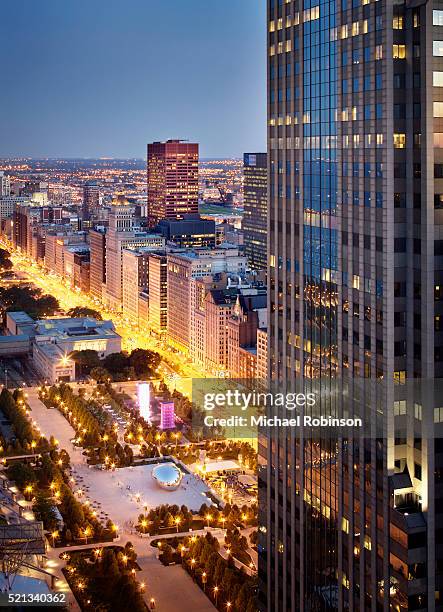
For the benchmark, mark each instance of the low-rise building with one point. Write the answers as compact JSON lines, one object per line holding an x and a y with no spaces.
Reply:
{"x":53,"y":340}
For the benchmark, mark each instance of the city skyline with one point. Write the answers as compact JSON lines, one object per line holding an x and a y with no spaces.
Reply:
{"x":89,"y":59}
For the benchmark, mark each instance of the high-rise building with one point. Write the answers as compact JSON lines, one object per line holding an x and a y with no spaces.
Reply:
{"x":5,"y":184}
{"x":355,"y":146}
{"x":248,"y":315}
{"x":255,"y":194}
{"x":91,"y":198}
{"x":158,"y":291}
{"x":122,"y":234}
{"x":182,"y":268}
{"x":219,"y":304}
{"x":172,"y":180}
{"x":97,"y":244}
{"x":135,"y":280}
{"x":8,"y":204}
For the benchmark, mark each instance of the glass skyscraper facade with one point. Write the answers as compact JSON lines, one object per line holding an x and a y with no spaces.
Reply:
{"x":355,"y":158}
{"x":255,"y":204}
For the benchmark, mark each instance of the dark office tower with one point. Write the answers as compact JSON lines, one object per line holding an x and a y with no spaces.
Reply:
{"x":255,"y":193}
{"x":97,"y":244}
{"x":355,"y":146}
{"x":91,"y":198}
{"x":172,"y":180}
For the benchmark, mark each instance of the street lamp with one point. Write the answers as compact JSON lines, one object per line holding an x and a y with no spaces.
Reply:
{"x":152,"y":604}
{"x":54,"y":535}
{"x":228,"y":605}
{"x":204,"y":580}
{"x":208,"y":518}
{"x":177,"y":522}
{"x":87,"y":532}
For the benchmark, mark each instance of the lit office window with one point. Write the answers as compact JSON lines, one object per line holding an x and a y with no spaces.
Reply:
{"x":397,"y":22}
{"x":437,"y":18}
{"x":437,"y":48}
{"x":438,"y":109}
{"x":437,"y":80}
{"x":399,"y":51}
{"x":399,"y":141}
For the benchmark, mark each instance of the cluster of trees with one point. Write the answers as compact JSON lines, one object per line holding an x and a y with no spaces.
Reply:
{"x":152,"y":439}
{"x":27,"y":439}
{"x":183,"y":406}
{"x":188,"y":454}
{"x":117,"y":366}
{"x":233,"y":449}
{"x":112,"y":453}
{"x":165,"y":516}
{"x":222,"y":581}
{"x":5,"y":261}
{"x":84,"y":311}
{"x":22,"y":474}
{"x":52,"y":484}
{"x":237,"y":544}
{"x":106,"y":581}
{"x":49,"y":488}
{"x":87,"y":417}
{"x":230,"y":515}
{"x":29,"y":299}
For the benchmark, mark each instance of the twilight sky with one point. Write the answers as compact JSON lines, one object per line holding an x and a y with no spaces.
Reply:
{"x":90,"y":78}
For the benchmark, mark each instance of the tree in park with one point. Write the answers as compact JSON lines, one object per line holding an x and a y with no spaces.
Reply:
{"x":109,"y":565}
{"x":144,"y":361}
{"x":29,"y":299}
{"x":84,"y":311}
{"x":22,"y":474}
{"x":101,"y":375}
{"x":116,"y":363}
{"x":85,"y":361}
{"x":43,"y":509}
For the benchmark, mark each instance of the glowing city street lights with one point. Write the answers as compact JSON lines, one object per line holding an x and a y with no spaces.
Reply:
{"x":54,"y":535}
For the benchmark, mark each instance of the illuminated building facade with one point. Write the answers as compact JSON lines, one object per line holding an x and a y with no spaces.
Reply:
{"x":172,"y":180}
{"x":190,"y":232}
{"x":123,"y":233}
{"x":158,"y":291}
{"x":53,"y":340}
{"x":167,"y":415}
{"x":91,"y":199}
{"x":144,"y":400}
{"x":255,"y":204}
{"x":135,"y":280}
{"x":97,"y":244}
{"x":219,"y":304}
{"x":5,"y":185}
{"x":182,"y":268}
{"x":355,"y":145}
{"x":248,"y":315}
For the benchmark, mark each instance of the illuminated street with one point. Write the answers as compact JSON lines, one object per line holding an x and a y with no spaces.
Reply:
{"x":177,"y":370}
